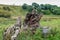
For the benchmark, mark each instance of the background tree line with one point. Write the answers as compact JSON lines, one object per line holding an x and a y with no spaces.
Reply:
{"x":47,"y":9}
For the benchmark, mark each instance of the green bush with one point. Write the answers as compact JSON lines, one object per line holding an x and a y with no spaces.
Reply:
{"x":46,"y":12}
{"x":6,"y":8}
{"x":5,"y":14}
{"x":24,"y":6}
{"x":56,"y":12}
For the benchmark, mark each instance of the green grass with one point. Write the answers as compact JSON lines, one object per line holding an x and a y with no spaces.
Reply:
{"x":47,"y":20}
{"x":5,"y":22}
{"x":54,"y":23}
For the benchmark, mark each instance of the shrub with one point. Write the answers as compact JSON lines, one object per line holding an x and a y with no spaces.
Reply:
{"x":6,"y":8}
{"x":24,"y":6}
{"x":56,"y":12}
{"x":5,"y":14}
{"x":46,"y":12}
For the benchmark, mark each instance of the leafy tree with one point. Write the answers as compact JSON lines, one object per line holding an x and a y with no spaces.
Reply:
{"x":47,"y":6}
{"x":35,"y":5}
{"x":24,"y":6}
{"x":39,"y":9}
{"x":29,"y":8}
{"x":42,"y":7}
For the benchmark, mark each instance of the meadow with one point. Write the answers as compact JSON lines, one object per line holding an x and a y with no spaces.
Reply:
{"x":47,"y":20}
{"x":54,"y":23}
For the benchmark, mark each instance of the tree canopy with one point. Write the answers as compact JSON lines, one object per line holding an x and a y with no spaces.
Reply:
{"x":44,"y":8}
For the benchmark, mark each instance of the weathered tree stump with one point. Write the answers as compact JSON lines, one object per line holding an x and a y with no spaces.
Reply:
{"x":32,"y":20}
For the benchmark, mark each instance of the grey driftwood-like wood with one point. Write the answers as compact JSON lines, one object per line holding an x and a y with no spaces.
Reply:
{"x":12,"y":32}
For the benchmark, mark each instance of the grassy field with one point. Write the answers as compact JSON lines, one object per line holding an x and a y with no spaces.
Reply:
{"x":47,"y":20}
{"x":5,"y":22}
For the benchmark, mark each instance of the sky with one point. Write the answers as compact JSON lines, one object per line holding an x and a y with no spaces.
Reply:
{"x":21,"y":2}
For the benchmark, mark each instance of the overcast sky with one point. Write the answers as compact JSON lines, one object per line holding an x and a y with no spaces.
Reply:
{"x":20,"y":2}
